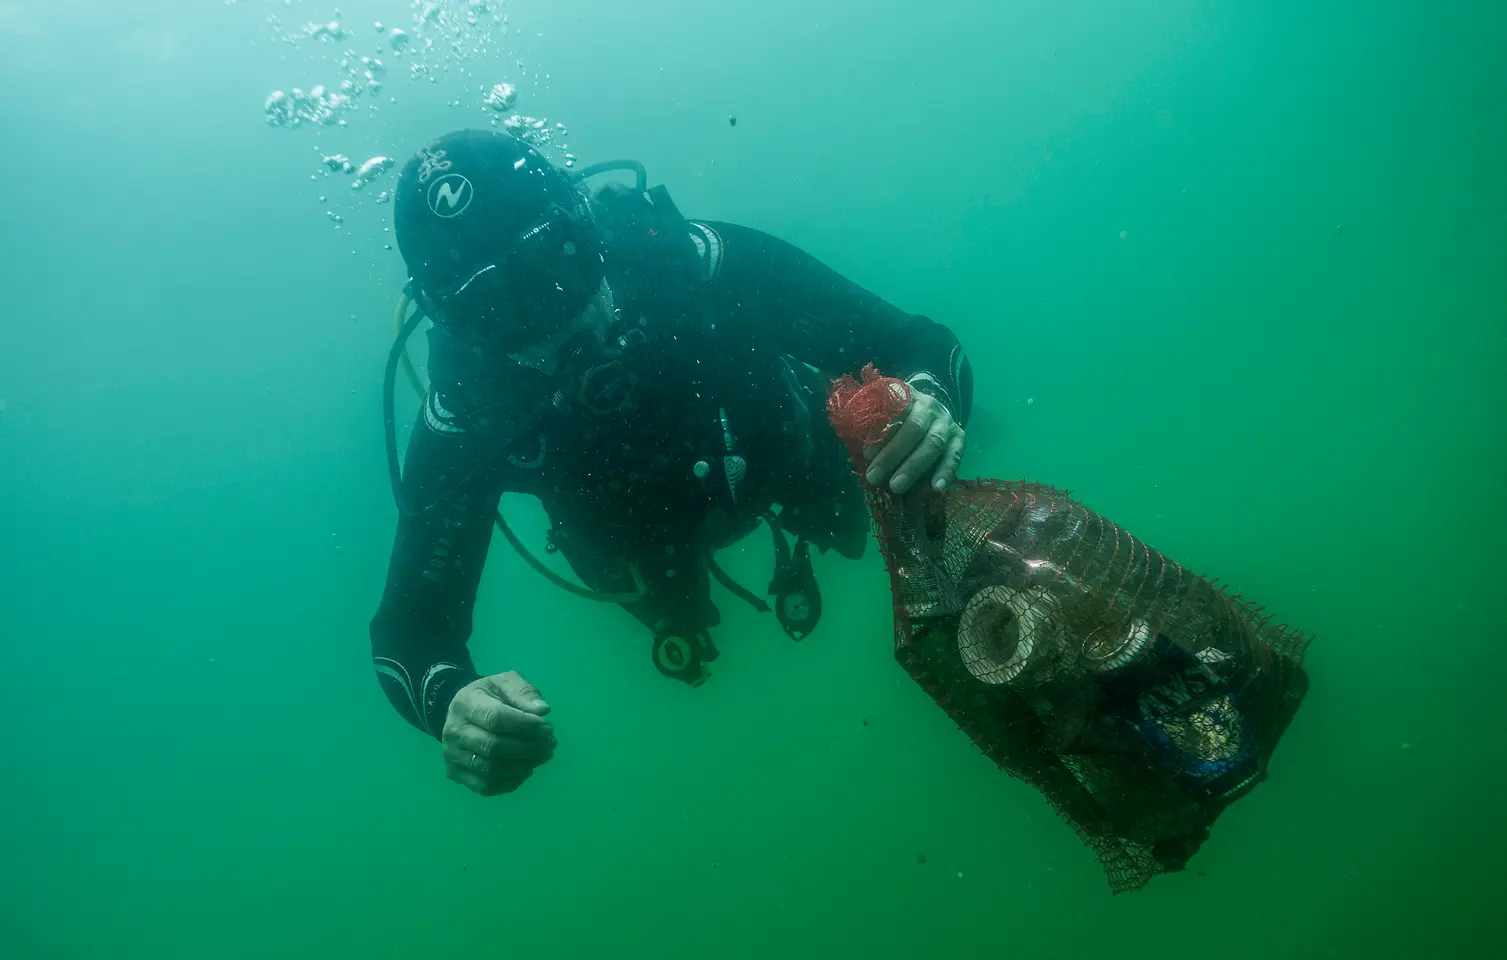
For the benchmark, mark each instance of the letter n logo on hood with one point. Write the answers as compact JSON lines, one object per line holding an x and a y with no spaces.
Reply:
{"x":450,"y":195}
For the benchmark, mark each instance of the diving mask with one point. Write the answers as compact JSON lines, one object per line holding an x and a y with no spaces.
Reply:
{"x":538,"y":287}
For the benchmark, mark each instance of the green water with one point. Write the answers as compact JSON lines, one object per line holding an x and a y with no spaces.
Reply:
{"x":1234,"y":272}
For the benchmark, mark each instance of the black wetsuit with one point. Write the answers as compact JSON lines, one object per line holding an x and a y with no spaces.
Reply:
{"x":728,"y":339}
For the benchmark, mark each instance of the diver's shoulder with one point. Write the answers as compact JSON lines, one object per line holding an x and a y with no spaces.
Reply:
{"x":707,"y":237}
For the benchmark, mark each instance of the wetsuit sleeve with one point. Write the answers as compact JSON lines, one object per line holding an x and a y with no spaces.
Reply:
{"x":788,"y":298}
{"x":420,"y":630}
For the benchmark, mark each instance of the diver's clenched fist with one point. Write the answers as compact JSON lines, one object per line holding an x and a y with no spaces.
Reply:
{"x":495,"y":734}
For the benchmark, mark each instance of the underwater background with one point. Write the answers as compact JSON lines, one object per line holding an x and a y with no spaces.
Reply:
{"x":1233,"y":272}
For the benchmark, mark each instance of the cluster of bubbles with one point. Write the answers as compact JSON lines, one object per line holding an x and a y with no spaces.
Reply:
{"x":326,"y":31}
{"x":448,"y":34}
{"x":444,"y":37}
{"x":501,"y":98}
{"x":322,"y":106}
{"x":371,"y":170}
{"x":444,"y":41}
{"x":318,"y":107}
{"x":367,"y":172}
{"x":443,"y":33}
{"x":538,"y":133}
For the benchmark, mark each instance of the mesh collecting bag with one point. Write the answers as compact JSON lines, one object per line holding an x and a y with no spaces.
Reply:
{"x":1139,"y":698}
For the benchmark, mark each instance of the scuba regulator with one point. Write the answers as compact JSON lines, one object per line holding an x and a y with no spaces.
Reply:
{"x":682,"y":654}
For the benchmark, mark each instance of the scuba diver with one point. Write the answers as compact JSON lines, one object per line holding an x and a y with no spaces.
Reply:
{"x":658,"y":383}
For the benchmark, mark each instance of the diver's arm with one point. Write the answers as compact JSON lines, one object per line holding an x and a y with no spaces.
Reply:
{"x":419,"y":633}
{"x":816,"y":315}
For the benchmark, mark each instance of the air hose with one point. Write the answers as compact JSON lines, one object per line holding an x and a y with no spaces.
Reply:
{"x":403,"y":328}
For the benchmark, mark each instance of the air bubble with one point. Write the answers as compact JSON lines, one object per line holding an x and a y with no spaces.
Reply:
{"x":501,"y":97}
{"x":297,"y":108}
{"x":375,"y":167}
{"x":325,"y":31}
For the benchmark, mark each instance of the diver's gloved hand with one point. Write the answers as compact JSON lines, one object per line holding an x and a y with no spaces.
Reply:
{"x":495,"y":734}
{"x":924,"y":440}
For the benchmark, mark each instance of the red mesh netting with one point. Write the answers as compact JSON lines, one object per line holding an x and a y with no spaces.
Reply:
{"x":1138,"y":697}
{"x":860,"y":412}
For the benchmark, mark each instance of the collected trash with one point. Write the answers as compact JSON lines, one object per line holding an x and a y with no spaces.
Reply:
{"x":1139,"y":698}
